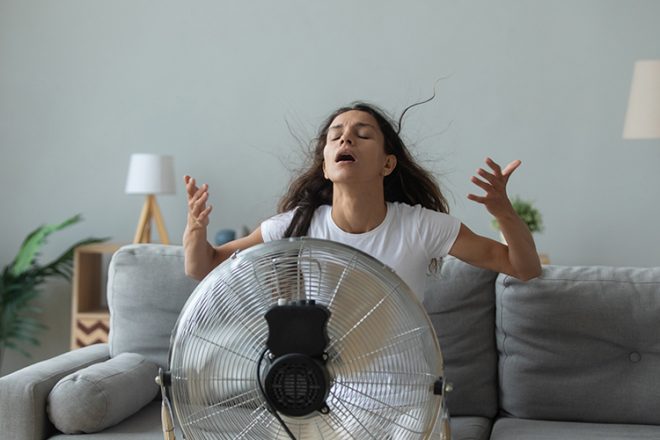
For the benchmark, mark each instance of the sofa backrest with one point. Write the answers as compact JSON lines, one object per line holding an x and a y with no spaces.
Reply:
{"x":147,"y":288}
{"x":460,"y":301}
{"x":581,"y":344}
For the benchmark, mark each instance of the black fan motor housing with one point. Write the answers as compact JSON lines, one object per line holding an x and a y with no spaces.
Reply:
{"x":297,"y":382}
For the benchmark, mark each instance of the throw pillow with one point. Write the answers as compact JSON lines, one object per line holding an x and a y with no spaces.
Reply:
{"x":102,"y":394}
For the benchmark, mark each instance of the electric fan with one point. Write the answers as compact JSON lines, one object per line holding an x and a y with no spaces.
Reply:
{"x":304,"y":339}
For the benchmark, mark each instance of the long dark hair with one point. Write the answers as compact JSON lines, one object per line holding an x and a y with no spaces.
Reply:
{"x":408,"y":183}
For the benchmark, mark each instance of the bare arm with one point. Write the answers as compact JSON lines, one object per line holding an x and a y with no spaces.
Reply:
{"x":519,"y":257}
{"x":199,"y":255}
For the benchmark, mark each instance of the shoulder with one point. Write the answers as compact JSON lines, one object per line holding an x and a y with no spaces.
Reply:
{"x":434,"y":231}
{"x":281,"y":217}
{"x":400,"y":209}
{"x":274,"y":227}
{"x":418,"y":212}
{"x":322,"y":213}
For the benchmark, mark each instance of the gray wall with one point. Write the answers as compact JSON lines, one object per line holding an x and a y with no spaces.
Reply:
{"x":83,"y":84}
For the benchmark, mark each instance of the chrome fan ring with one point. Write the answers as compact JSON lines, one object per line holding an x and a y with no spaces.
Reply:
{"x":381,"y":363}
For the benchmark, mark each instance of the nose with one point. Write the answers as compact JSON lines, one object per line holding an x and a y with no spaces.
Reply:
{"x":346,"y":138}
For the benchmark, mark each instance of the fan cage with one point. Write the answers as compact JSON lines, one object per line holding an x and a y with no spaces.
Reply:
{"x":383,"y":354}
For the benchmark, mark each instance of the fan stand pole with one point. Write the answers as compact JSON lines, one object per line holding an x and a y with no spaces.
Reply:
{"x":165,"y":409}
{"x":445,"y":427}
{"x":166,"y":420}
{"x":150,"y":210}
{"x":446,"y":430}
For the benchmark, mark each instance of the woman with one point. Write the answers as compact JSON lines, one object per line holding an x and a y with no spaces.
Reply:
{"x":364,"y":189}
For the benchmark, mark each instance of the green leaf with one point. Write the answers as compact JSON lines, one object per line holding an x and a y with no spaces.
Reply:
{"x":28,"y":322}
{"x":527,"y":212}
{"x":32,"y":244}
{"x":20,"y":282}
{"x":63,"y":265}
{"x":20,"y":327}
{"x":17,"y":348}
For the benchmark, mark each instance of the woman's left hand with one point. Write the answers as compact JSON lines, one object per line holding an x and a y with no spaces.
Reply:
{"x":518,"y":257}
{"x":496,"y":199}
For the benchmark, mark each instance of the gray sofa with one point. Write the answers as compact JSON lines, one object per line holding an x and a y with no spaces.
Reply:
{"x":574,"y":354}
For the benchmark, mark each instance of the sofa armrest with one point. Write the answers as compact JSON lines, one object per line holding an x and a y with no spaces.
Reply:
{"x":23,"y":394}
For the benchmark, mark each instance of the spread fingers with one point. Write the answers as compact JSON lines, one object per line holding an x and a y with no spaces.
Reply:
{"x":481,"y":184}
{"x":486,"y":175}
{"x":191,"y":188}
{"x":494,"y":166}
{"x":198,"y":202}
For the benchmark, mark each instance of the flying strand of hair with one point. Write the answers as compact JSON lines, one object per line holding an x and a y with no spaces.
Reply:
{"x":398,"y":130}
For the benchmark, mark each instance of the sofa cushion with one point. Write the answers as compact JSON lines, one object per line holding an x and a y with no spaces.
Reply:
{"x":581,"y":344}
{"x":469,"y":428}
{"x":102,"y":394}
{"x":507,"y":429}
{"x":24,"y":393}
{"x":147,"y":288}
{"x":144,"y":425}
{"x":460,"y":301}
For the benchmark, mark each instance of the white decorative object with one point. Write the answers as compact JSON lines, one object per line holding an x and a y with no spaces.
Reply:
{"x":150,"y":174}
{"x":643,"y":115}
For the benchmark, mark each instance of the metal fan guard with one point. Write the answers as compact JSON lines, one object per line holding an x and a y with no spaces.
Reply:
{"x":383,"y":354}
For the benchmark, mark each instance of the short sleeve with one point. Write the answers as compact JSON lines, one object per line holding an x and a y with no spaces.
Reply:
{"x":275,"y":227}
{"x":438,"y":231}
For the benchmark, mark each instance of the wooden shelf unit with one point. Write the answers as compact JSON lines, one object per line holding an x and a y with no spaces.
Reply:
{"x":90,"y":319}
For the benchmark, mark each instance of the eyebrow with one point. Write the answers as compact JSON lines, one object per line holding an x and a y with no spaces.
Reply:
{"x":358,"y":124}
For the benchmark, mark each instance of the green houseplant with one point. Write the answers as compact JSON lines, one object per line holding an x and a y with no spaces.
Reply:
{"x":19,"y":287}
{"x":527,"y":212}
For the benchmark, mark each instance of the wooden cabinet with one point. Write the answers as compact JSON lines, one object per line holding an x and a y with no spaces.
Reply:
{"x":90,"y":319}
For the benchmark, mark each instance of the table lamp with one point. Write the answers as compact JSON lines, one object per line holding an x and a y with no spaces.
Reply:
{"x":643,"y":115}
{"x":150,"y":174}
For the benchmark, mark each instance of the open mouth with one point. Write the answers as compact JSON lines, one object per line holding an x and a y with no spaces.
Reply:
{"x":343,"y":157}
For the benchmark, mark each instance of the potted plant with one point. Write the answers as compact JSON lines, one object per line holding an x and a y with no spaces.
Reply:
{"x":527,"y":212}
{"x":20,"y":283}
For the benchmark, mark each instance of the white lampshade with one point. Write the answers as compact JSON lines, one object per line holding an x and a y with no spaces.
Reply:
{"x":150,"y":174}
{"x":643,"y":115}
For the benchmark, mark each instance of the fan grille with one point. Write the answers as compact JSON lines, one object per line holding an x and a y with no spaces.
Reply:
{"x":383,"y":356}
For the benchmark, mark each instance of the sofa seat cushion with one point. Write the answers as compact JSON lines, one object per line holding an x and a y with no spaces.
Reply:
{"x":143,"y":425}
{"x":470,"y":428}
{"x":581,"y":344}
{"x":146,"y":425}
{"x":521,"y":429}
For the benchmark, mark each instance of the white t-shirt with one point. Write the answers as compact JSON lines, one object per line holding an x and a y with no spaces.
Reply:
{"x":410,"y":240}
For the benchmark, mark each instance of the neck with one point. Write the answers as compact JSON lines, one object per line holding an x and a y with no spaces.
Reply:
{"x":358,"y":210}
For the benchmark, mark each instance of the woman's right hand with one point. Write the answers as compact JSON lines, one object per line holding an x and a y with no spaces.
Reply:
{"x":198,"y":211}
{"x":199,"y":256}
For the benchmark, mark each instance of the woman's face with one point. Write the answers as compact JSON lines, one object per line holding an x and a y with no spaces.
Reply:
{"x":355,"y":150}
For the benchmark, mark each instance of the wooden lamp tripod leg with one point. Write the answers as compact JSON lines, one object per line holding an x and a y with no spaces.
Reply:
{"x":160,"y":224}
{"x":150,"y":210}
{"x":143,"y":231}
